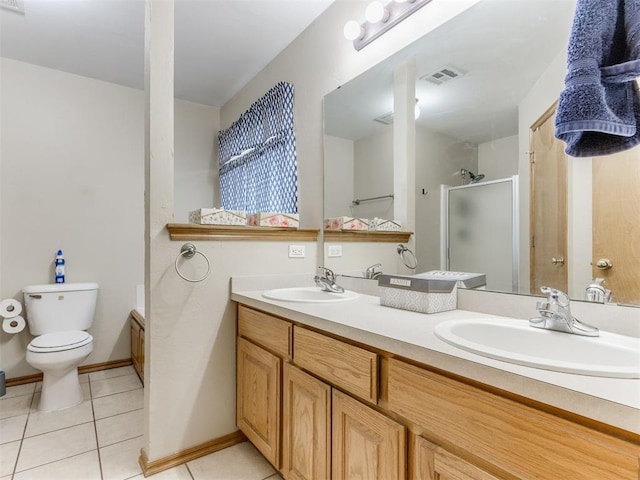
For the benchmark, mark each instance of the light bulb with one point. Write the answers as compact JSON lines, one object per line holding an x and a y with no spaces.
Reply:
{"x":352,"y":30}
{"x":376,"y":12}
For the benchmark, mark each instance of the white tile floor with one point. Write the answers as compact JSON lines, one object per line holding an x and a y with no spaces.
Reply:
{"x":100,"y":438}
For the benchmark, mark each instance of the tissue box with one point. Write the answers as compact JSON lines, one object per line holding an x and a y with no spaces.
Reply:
{"x":462,"y":279}
{"x":418,"y":294}
{"x":218,"y":216}
{"x":270,"y":219}
{"x":346,"y":223}
{"x":382,"y":225}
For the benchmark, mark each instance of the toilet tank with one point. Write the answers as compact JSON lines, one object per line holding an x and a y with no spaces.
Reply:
{"x":58,"y":307}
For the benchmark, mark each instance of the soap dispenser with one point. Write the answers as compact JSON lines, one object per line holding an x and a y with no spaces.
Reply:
{"x":59,"y":267}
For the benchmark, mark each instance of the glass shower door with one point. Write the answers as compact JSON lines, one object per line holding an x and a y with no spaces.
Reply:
{"x":481,"y":232}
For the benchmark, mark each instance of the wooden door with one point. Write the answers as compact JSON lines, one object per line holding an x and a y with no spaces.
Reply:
{"x":258,"y":398}
{"x":306,"y":426}
{"x":366,"y":444}
{"x":548,"y":246}
{"x":616,"y":223}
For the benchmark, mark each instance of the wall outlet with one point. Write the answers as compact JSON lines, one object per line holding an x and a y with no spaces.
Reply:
{"x":334,"y":251}
{"x":296,"y":251}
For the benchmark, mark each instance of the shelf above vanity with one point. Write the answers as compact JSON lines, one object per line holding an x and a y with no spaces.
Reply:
{"x":190,"y":231}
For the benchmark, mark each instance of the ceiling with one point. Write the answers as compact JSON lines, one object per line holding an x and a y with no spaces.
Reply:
{"x":219,"y":44}
{"x":502,"y":46}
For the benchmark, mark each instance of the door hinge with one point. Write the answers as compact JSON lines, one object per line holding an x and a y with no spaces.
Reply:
{"x":532,"y":157}
{"x":533,"y":241}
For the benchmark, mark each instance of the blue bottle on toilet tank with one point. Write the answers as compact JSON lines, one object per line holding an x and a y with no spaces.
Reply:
{"x":59,"y":267}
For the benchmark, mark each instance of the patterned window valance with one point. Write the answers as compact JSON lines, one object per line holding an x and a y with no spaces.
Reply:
{"x":257,"y":156}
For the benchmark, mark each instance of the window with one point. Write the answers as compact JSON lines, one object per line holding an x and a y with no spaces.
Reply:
{"x":257,"y":156}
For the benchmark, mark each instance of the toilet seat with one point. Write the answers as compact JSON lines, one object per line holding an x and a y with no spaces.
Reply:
{"x":59,"y":341}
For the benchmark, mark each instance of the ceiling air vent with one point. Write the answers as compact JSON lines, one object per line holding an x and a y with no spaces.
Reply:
{"x":442,"y":75}
{"x":14,"y":5}
{"x":386,"y":119}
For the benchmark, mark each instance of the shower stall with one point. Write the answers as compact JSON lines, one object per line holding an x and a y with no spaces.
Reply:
{"x":480,"y":231}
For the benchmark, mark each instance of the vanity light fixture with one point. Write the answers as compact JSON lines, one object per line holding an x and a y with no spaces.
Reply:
{"x":379,"y":19}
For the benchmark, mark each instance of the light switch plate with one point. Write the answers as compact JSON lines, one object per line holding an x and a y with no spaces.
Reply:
{"x":334,"y":251}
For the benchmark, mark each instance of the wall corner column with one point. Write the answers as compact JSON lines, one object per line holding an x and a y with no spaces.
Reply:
{"x":159,"y":147}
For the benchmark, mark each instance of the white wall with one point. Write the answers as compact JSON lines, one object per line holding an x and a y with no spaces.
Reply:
{"x":338,"y":176}
{"x":439,"y":159}
{"x":195,"y":167}
{"x":73,"y":168}
{"x":72,"y":171}
{"x":191,"y":352}
{"x":373,"y":176}
{"x":498,"y":158}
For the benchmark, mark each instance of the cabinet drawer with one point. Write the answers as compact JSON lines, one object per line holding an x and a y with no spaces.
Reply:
{"x":346,"y":366}
{"x":518,"y":439}
{"x":263,"y":329}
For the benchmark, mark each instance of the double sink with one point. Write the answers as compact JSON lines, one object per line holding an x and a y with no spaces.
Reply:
{"x":513,"y":341}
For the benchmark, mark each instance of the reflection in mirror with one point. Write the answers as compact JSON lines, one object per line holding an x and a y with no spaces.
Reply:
{"x":486,"y":83}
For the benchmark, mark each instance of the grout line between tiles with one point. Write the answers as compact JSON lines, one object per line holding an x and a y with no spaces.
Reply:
{"x":95,"y":429}
{"x":189,"y":471}
{"x":51,"y":462}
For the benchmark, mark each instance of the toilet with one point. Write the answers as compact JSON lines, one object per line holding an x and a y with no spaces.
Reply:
{"x":58,"y":315}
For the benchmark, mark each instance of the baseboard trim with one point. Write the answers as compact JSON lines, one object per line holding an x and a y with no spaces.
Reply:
{"x":156,"y":466}
{"x":94,"y":367}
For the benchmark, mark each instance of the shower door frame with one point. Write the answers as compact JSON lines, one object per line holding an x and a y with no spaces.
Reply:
{"x":515,"y":220}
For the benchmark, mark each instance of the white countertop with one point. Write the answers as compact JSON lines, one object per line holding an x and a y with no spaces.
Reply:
{"x":613,"y":401}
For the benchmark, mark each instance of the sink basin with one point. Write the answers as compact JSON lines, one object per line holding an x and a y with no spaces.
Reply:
{"x":609,"y":355}
{"x":308,"y":295}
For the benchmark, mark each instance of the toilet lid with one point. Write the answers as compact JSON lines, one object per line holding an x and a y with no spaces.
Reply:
{"x":59,"y":341}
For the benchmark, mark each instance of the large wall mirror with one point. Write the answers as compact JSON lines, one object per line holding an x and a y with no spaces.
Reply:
{"x":494,"y":191}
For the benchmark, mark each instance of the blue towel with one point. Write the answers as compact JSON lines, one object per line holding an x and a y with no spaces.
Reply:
{"x":599,"y":109}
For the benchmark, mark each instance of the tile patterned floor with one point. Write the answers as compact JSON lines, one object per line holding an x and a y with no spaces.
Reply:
{"x":100,"y":439}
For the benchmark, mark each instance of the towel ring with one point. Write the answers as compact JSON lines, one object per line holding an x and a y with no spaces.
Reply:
{"x":188,"y":250}
{"x":402,"y":250}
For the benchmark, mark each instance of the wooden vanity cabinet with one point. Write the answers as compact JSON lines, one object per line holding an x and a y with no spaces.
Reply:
{"x":136,"y":325}
{"x":258,"y":398}
{"x":306,"y":426}
{"x":430,"y":462}
{"x":343,"y":412}
{"x":299,"y":420}
{"x":505,"y":437}
{"x":263,"y":344}
{"x":366,"y":444}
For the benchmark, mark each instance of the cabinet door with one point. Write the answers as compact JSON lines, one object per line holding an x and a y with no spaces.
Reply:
{"x":137,"y":347}
{"x":306,"y":426}
{"x":430,"y":462}
{"x":366,"y":444}
{"x":258,"y":398}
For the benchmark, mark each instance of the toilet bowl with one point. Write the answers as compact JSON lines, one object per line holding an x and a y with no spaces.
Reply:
{"x":58,"y":355}
{"x":58,"y":316}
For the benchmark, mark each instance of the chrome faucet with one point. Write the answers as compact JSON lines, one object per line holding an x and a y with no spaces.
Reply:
{"x":556,"y":315}
{"x":327,"y":281}
{"x":372,"y":273}
{"x":596,"y":292}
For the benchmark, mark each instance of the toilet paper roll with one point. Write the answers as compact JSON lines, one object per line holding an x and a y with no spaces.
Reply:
{"x":13,"y":325}
{"x":10,"y":308}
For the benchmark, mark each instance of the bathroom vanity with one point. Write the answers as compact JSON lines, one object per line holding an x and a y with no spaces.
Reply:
{"x":324,"y":392}
{"x":136,"y":324}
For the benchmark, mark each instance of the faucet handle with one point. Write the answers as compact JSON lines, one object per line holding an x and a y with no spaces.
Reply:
{"x":327,"y":273}
{"x":555,"y":296}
